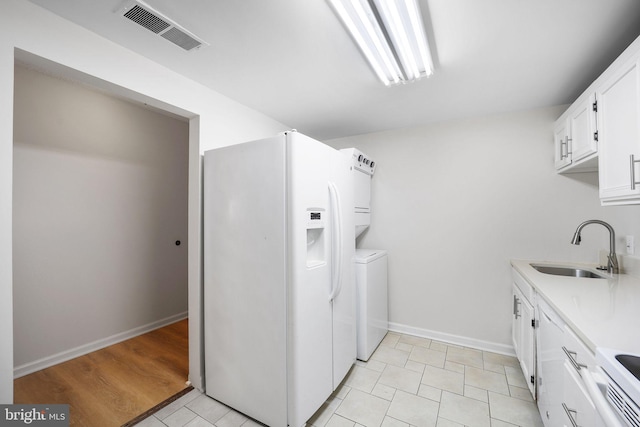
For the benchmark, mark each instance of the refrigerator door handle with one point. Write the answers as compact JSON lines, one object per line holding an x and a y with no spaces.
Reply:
{"x":336,"y":242}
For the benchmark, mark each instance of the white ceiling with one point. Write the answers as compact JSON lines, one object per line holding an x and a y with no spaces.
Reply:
{"x":293,"y":60}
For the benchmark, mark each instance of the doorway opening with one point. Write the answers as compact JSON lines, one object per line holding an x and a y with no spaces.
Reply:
{"x":100,"y":228}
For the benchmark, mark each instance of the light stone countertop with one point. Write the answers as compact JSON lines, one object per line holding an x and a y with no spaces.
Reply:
{"x":602,"y":312}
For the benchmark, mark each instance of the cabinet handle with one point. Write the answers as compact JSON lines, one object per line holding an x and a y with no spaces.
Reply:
{"x":516,"y":302}
{"x":566,"y":150}
{"x":633,"y":162}
{"x":572,"y":358}
{"x":568,"y":411}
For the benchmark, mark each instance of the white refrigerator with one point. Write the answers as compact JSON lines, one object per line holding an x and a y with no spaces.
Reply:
{"x":279,"y":276}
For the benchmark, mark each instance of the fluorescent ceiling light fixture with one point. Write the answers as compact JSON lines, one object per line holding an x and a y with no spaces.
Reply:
{"x":391,"y":35}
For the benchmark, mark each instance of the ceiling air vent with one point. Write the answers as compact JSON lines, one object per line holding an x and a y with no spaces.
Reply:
{"x":149,"y":18}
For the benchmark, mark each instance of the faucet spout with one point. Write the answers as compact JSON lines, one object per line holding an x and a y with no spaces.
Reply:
{"x":612,"y":259}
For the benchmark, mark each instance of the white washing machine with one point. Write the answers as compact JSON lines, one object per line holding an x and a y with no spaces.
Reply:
{"x":372,"y":321}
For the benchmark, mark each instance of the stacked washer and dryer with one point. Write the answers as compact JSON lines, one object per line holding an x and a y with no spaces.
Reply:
{"x":372,"y":321}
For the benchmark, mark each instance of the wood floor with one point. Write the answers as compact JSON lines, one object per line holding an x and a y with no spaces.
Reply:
{"x":111,"y":386}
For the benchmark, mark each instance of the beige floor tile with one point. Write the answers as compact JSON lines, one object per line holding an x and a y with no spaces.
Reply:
{"x":325,"y":412}
{"x":392,"y":422}
{"x":429,"y":392}
{"x":177,"y":404}
{"x":498,"y":423}
{"x":384,"y":391}
{"x":515,"y":376}
{"x":338,"y":421}
{"x":419,"y":341}
{"x":428,"y":356}
{"x":514,"y":411}
{"x":464,"y":410}
{"x":493,"y":367}
{"x":209,"y":409}
{"x":198,"y":422}
{"x":453,"y":366}
{"x":438,"y":346}
{"x":391,"y":339}
{"x":500,"y":359}
{"x":415,"y":366}
{"x":443,"y":379}
{"x":401,"y":379}
{"x":375,"y":365}
{"x":414,"y":410}
{"x":231,"y":419}
{"x":486,"y":380}
{"x":342,"y":391}
{"x":390,"y":356}
{"x":404,"y":346}
{"x":151,"y":422}
{"x":363,"y":408}
{"x":442,"y":422}
{"x":476,"y":393}
{"x":363,"y":379}
{"x":465,"y":356}
{"x":520,"y":393}
{"x":180,"y":417}
{"x":251,"y":423}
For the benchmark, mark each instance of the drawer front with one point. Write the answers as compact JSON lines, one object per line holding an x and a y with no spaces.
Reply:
{"x":524,"y":286}
{"x":577,"y":354}
{"x":578,"y":408}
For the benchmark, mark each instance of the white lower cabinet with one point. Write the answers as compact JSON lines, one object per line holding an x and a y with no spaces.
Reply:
{"x":550,"y":365}
{"x":578,"y":408}
{"x":552,"y":354}
{"x":523,"y":328}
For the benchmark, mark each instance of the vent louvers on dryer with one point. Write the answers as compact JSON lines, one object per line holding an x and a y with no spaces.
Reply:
{"x":149,"y":18}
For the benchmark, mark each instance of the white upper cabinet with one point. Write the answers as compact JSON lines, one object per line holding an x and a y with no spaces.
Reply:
{"x":583,"y":129}
{"x":561,"y":135}
{"x":601,"y":131}
{"x":576,"y":137}
{"x":619,"y":120}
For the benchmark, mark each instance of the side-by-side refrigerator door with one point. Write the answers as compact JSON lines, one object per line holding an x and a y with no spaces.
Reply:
{"x":309,"y":307}
{"x":343,"y":296}
{"x":322,"y":345}
{"x":245,"y":278}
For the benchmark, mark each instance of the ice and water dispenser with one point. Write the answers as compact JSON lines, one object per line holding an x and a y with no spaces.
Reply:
{"x":315,"y":237}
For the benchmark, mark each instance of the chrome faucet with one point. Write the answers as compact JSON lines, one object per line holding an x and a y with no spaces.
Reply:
{"x":612,"y":260}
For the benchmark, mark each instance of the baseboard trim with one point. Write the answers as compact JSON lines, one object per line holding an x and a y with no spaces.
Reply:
{"x":453,"y":339}
{"x":46,"y":362}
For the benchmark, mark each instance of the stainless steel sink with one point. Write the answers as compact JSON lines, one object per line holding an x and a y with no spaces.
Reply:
{"x":567,"y":271}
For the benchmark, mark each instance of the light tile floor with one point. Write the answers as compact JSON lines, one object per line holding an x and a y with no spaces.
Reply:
{"x":408,"y":381}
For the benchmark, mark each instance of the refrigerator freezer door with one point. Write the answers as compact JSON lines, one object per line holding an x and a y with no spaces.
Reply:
{"x":245,"y":278}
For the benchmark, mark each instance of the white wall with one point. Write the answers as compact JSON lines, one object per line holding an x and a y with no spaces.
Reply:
{"x":453,"y":202}
{"x":214,"y":121}
{"x":99,"y":198}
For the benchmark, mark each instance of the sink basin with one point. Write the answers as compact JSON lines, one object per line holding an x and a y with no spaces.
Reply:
{"x":567,"y":271}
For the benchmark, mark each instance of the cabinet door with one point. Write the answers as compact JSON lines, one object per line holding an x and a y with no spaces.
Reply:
{"x":577,"y":406}
{"x":523,"y":335}
{"x":550,"y":366}
{"x":561,"y":142}
{"x":582,"y":130}
{"x":619,"y":134}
